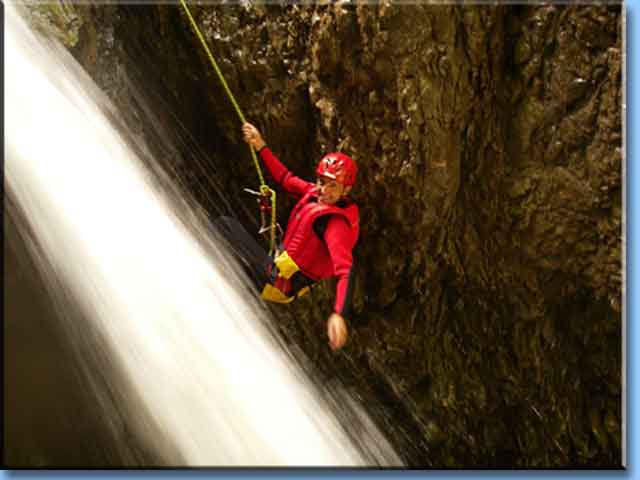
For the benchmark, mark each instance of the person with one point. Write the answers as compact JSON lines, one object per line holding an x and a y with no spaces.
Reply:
{"x":318,"y":243}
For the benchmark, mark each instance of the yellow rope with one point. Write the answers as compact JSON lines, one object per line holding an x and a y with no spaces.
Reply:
{"x":272,"y":232}
{"x":264,"y":188}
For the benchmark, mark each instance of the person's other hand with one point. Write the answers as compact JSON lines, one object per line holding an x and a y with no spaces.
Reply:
{"x":337,"y":331}
{"x":252,"y":136}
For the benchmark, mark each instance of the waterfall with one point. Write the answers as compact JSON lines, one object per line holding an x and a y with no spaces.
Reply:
{"x":194,"y":365}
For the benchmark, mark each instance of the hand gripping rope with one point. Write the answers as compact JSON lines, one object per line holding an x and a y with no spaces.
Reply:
{"x":266,"y":196}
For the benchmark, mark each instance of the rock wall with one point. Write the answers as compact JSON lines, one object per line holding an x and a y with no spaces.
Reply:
{"x":489,"y":276}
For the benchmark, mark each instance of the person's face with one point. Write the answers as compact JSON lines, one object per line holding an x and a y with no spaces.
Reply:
{"x":329,"y":191}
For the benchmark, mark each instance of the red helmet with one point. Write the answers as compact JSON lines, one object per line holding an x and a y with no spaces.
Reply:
{"x":338,"y":167}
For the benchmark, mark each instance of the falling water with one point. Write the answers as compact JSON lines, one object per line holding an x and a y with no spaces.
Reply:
{"x":200,"y":376}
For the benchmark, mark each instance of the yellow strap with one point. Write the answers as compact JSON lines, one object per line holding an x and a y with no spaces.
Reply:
{"x":286,"y":266}
{"x":263,"y":186}
{"x":273,"y":294}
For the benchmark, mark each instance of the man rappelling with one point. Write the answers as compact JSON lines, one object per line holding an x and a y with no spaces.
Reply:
{"x":318,"y":243}
{"x":321,"y":233}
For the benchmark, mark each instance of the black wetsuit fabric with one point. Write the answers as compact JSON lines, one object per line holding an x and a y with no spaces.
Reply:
{"x":245,"y":248}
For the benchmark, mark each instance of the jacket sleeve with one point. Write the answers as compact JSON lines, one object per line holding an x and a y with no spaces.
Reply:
{"x":340,"y":242}
{"x":282,"y":176}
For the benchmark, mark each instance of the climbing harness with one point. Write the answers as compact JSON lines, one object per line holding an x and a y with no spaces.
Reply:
{"x":266,"y":196}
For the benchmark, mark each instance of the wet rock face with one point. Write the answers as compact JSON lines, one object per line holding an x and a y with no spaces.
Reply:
{"x":488,"y":295}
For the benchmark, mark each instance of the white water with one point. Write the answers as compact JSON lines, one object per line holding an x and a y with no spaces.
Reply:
{"x":195,"y":357}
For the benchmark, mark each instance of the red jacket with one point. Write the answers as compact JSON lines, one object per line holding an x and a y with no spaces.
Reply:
{"x":319,"y":238}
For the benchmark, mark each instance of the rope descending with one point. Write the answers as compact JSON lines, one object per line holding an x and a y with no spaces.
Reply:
{"x":266,"y":194}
